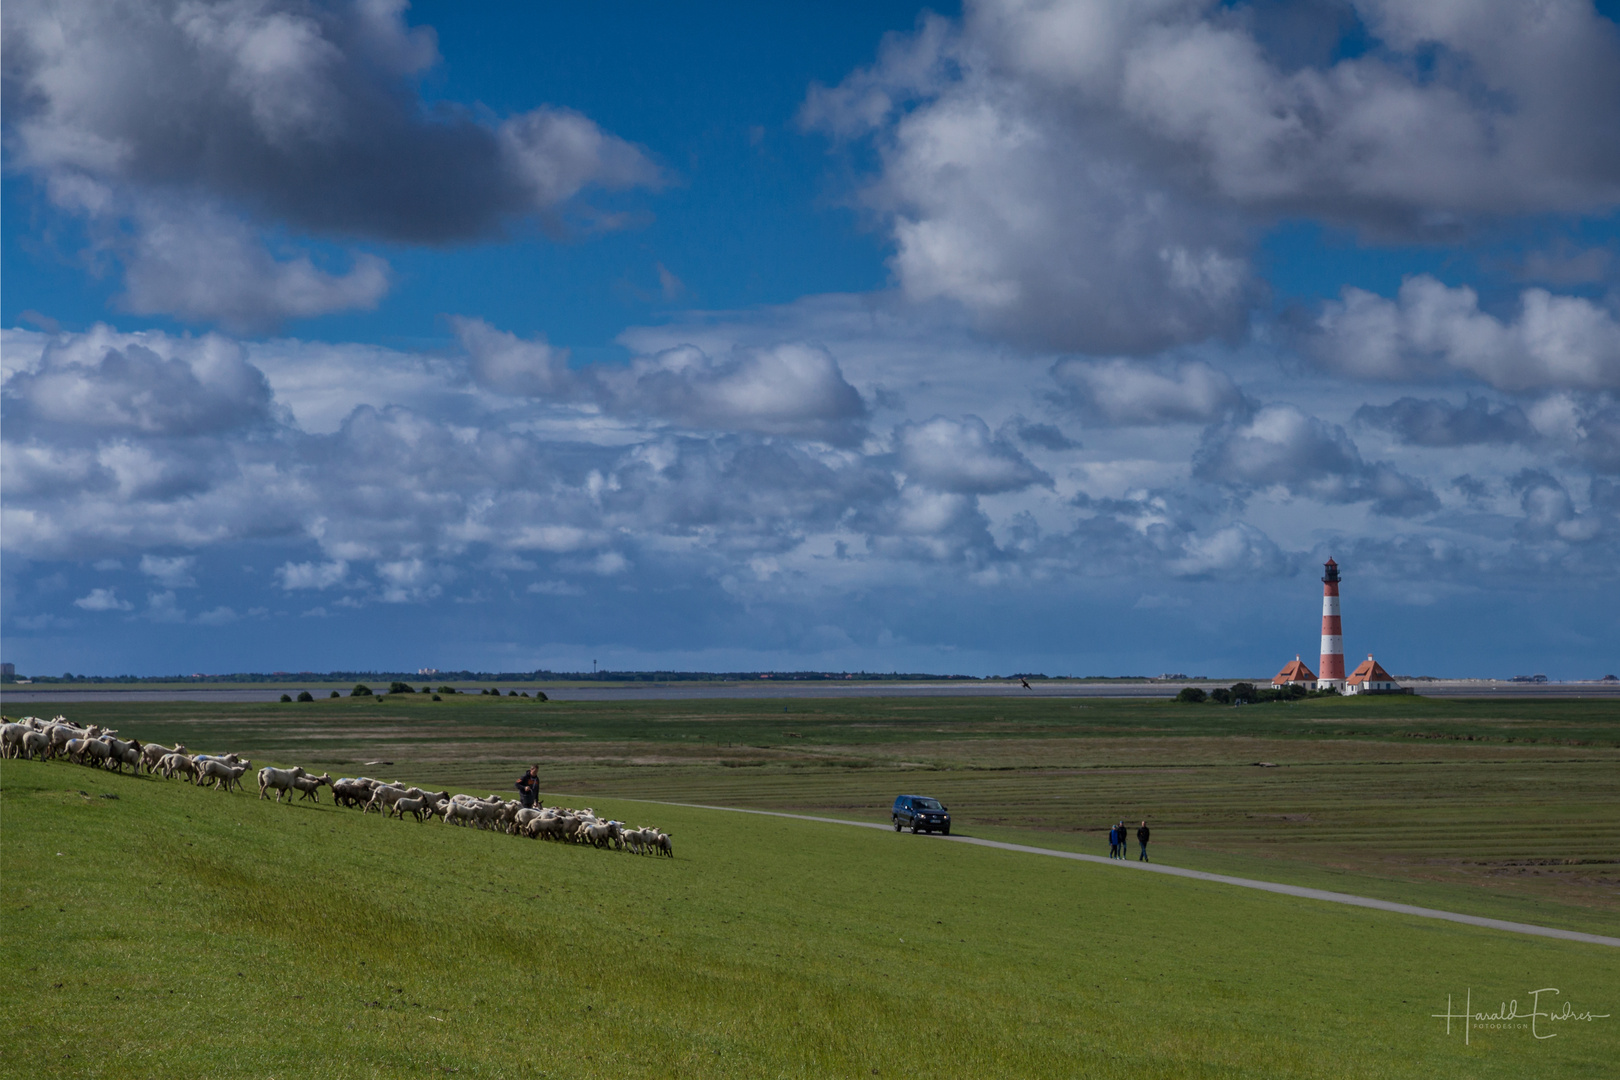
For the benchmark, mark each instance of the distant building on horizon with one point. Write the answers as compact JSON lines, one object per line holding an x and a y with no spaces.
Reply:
{"x":1371,"y":678}
{"x":1332,"y":666}
{"x":1296,"y":672}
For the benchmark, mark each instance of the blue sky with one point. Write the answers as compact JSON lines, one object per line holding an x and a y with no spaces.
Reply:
{"x":1062,"y":336}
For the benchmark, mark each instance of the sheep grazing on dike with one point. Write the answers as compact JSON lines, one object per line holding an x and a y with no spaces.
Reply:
{"x":95,"y":747}
{"x":279,"y":779}
{"x":35,"y":744}
{"x":309,"y":787}
{"x":152,"y":753}
{"x":11,"y":738}
{"x":220,"y":773}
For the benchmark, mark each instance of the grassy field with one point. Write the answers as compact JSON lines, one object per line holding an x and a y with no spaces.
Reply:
{"x":173,"y":931}
{"x":1502,"y":808}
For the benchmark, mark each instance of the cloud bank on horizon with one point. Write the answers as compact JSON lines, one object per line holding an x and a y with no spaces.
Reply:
{"x":1094,"y":423}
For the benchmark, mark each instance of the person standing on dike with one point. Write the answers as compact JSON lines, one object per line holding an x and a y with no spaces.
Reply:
{"x":528,"y":787}
{"x":1142,"y":838}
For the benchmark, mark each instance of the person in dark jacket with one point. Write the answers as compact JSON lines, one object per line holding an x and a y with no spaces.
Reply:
{"x":528,"y":787}
{"x":1142,"y":838}
{"x":1113,"y":842}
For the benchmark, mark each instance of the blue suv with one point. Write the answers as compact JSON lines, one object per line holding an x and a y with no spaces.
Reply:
{"x":921,"y":814}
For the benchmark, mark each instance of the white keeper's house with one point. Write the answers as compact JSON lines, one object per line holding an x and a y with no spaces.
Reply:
{"x":1371,"y":678}
{"x":1296,"y":672}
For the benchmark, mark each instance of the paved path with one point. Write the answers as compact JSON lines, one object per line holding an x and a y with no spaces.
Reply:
{"x":1247,"y":883}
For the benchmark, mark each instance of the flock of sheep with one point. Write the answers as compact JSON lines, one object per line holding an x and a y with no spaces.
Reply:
{"x":32,"y":737}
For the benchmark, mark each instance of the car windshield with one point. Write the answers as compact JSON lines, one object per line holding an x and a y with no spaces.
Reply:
{"x":926,"y":804}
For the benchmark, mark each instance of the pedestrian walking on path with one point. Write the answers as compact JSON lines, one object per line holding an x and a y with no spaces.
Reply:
{"x":1142,"y":838}
{"x":1113,"y":841}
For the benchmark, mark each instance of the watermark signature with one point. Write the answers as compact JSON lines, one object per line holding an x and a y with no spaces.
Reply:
{"x":1544,"y":1014}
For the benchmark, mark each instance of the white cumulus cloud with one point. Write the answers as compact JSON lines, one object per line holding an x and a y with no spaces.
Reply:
{"x":1429,"y":329}
{"x":1285,"y":448}
{"x":1086,"y":173}
{"x":310,"y":575}
{"x":173,"y":572}
{"x":962,"y":456}
{"x":1129,"y":392}
{"x":102,"y":600}
{"x":182,"y":132}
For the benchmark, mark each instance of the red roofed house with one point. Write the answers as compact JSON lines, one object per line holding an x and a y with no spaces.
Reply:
{"x":1371,"y":678}
{"x":1296,"y":672}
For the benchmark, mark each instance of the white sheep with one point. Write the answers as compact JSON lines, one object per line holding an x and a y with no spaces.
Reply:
{"x":600,"y":833}
{"x":121,"y":749}
{"x":169,"y":764}
{"x":280,"y":779}
{"x":60,"y":733}
{"x":125,"y":754}
{"x":548,"y":825}
{"x":79,"y":749}
{"x":459,"y":813}
{"x":311,"y":784}
{"x":233,"y":760}
{"x":36,"y":744}
{"x":11,"y":738}
{"x":152,"y":753}
{"x":223,"y":775}
{"x":354,"y":790}
{"x":417,"y":806}
{"x":384,"y":796}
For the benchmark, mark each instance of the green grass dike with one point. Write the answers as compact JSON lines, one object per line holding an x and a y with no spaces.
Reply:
{"x":174,"y":931}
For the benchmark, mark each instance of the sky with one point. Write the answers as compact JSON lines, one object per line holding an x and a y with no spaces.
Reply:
{"x":1063,"y":336}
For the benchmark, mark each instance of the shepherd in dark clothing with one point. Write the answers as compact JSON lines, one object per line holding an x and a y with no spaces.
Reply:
{"x":528,"y":786}
{"x":1142,"y":838}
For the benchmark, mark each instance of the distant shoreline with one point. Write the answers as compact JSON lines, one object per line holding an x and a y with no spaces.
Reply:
{"x":766,"y":689}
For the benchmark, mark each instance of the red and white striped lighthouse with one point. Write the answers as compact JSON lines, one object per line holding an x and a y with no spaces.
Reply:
{"x":1332,"y":669}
